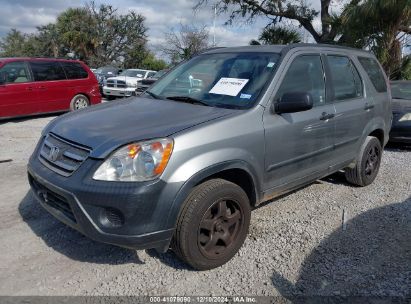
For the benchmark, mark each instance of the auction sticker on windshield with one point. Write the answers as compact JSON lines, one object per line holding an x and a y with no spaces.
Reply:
{"x":229,"y":86}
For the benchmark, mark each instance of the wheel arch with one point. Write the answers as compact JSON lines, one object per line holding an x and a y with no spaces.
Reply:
{"x":238,"y":172}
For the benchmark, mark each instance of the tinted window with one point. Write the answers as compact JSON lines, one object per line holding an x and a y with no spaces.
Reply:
{"x":15,"y":72}
{"x":373,"y":70}
{"x":345,"y":78}
{"x":305,"y":75}
{"x":47,"y":71}
{"x":401,"y":90}
{"x":151,"y":74}
{"x":74,"y":70}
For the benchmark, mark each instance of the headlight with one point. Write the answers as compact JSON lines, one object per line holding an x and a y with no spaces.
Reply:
{"x":132,"y":84}
{"x":136,"y":162}
{"x":406,"y":117}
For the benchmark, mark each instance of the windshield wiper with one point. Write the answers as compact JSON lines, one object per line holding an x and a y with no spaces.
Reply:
{"x":188,"y":100}
{"x":155,"y":96}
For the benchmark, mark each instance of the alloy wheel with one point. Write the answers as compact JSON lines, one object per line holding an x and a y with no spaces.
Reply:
{"x":219,"y":228}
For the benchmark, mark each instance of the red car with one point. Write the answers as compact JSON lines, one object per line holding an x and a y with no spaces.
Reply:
{"x":31,"y":86}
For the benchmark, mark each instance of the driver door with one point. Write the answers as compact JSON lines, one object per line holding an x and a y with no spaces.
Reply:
{"x":299,"y":145}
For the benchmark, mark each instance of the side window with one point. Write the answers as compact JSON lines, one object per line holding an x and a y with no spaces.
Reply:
{"x":15,"y":72}
{"x":47,"y":71}
{"x":346,"y":80}
{"x":305,"y":74}
{"x":373,"y":70}
{"x":74,"y":70}
{"x":151,"y":74}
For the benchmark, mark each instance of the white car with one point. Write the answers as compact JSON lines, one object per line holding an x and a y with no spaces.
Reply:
{"x":125,"y":84}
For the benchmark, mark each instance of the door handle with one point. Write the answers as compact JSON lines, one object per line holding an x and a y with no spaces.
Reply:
{"x":326,"y":116}
{"x":368,"y":107}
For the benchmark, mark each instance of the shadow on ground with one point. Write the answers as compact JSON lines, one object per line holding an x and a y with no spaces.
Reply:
{"x":372,"y":257}
{"x":68,"y":241}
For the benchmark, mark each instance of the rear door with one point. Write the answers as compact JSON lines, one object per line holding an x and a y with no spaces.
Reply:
{"x":17,"y":94}
{"x":353,"y":108}
{"x":51,"y":85}
{"x":299,"y":145}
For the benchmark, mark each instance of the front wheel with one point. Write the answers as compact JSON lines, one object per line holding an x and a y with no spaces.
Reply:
{"x":367,"y":164}
{"x":79,"y":102}
{"x":213,"y":224}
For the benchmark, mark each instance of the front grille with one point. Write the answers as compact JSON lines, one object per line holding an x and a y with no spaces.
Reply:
{"x":52,"y":199}
{"x":116,"y":84}
{"x":62,"y":156}
{"x":121,"y":84}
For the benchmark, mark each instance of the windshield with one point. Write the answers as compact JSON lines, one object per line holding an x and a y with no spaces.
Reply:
{"x":133,"y":73}
{"x":105,"y":70}
{"x":232,"y":80}
{"x":401,"y":90}
{"x":159,"y":74}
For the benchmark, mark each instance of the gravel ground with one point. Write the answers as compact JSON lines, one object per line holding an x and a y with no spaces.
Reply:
{"x":296,"y":244}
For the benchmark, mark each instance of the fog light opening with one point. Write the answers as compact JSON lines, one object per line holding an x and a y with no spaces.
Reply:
{"x":111,"y":217}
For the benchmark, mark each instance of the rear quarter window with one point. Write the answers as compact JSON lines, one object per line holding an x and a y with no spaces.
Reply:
{"x":74,"y":70}
{"x":374,"y":72}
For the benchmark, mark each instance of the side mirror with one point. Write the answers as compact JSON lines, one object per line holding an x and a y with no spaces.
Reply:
{"x":294,"y":102}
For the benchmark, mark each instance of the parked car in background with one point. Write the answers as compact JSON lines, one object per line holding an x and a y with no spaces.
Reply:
{"x":105,"y":72}
{"x":184,"y":164}
{"x":401,"y":107}
{"x":31,"y":86}
{"x":144,"y":84}
{"x":125,"y":84}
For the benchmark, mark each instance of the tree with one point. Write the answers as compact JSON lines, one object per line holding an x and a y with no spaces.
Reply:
{"x":276,"y":10}
{"x":119,"y":37}
{"x":381,"y":26}
{"x":186,"y":42}
{"x":150,"y":62}
{"x":277,"y":35}
{"x":14,"y":44}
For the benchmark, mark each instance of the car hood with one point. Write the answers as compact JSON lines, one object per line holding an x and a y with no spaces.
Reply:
{"x":124,"y":78}
{"x":105,"y":127}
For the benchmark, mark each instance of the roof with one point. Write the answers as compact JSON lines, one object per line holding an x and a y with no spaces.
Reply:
{"x":7,"y":59}
{"x":282,"y":48}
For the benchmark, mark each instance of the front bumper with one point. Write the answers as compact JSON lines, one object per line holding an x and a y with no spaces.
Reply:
{"x":131,"y":215}
{"x":119,"y":92}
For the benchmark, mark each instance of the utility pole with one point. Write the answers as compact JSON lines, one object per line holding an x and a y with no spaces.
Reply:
{"x":214,"y":21}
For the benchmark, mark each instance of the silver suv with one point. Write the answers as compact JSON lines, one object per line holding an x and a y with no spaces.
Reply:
{"x":184,"y":164}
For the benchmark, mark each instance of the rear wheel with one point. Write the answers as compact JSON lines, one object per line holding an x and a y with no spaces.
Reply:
{"x":367,"y":164}
{"x":79,"y":102}
{"x":213,"y":224}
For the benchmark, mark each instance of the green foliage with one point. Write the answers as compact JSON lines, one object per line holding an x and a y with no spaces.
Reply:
{"x":279,"y":35}
{"x":15,"y":44}
{"x":150,"y":62}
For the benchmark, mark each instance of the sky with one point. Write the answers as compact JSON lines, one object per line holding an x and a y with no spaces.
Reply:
{"x":161,"y":16}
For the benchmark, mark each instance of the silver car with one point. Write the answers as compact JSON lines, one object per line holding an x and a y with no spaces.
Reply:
{"x":183,"y":165}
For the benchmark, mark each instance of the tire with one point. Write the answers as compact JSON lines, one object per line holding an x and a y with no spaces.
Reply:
{"x":212,"y":225}
{"x":79,"y":102}
{"x":367,"y":164}
{"x":110,"y":97}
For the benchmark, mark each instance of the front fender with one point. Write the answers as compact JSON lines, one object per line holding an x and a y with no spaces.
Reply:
{"x":203,"y":174}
